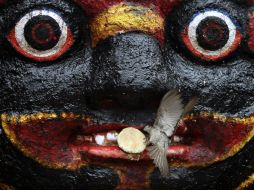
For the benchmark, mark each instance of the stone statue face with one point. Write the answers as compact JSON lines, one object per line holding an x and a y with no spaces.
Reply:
{"x":75,"y":73}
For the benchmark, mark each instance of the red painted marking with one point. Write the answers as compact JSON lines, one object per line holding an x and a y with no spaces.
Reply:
{"x":205,"y":139}
{"x":210,"y":138}
{"x":95,"y":7}
{"x":251,"y":2}
{"x":95,"y":128}
{"x":251,"y":33}
{"x":113,"y":152}
{"x":2,"y":2}
{"x":133,"y":175}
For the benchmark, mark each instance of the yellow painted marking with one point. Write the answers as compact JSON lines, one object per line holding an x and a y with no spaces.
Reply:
{"x":246,"y":183}
{"x":5,"y":187}
{"x":125,"y":18}
{"x":14,"y":120}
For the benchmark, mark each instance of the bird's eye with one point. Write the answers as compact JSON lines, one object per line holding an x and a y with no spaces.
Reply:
{"x":211,"y":35}
{"x":41,"y":35}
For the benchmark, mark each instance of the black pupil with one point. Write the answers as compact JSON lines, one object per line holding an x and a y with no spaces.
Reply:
{"x":42,"y":32}
{"x":212,"y":33}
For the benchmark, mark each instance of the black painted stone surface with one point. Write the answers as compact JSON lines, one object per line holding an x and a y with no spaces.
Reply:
{"x":132,"y":70}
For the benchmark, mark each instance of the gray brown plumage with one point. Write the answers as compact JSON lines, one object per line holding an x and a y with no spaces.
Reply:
{"x":170,"y":111}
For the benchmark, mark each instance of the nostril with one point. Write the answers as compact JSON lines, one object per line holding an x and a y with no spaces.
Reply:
{"x":107,"y":103}
{"x":99,"y":101}
{"x":129,"y":100}
{"x":125,"y":100}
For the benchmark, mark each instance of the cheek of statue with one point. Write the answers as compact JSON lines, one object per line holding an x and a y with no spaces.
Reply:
{"x":75,"y":75}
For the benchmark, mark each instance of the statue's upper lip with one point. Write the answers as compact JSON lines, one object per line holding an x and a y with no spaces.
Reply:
{"x":50,"y":139}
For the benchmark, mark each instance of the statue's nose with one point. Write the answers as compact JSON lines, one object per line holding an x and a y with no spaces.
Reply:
{"x":129,"y":63}
{"x":131,"y":60}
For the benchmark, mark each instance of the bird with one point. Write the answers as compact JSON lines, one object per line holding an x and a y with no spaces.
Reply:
{"x":169,"y":113}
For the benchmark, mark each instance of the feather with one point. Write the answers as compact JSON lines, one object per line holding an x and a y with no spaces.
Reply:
{"x":169,"y":112}
{"x":159,"y":158}
{"x":190,"y":105}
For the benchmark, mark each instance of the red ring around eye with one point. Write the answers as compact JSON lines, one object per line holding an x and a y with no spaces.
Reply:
{"x":38,"y":36}
{"x":211,"y":36}
{"x":232,"y":48}
{"x":69,"y":42}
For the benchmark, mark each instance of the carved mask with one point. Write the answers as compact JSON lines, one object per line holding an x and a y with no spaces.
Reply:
{"x":74,"y":73}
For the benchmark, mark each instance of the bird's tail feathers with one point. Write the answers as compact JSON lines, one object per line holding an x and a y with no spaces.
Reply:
{"x":159,"y":157}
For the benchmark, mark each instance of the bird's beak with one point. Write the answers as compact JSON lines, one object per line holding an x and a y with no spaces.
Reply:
{"x":147,"y":128}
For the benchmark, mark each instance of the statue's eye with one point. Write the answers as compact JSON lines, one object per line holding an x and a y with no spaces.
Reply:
{"x":41,"y":35}
{"x":211,"y":36}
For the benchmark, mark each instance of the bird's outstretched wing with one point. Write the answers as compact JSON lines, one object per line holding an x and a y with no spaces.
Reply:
{"x":169,"y":112}
{"x":158,"y":153}
{"x":190,"y":105}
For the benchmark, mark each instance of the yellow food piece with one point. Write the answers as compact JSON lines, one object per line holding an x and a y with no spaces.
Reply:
{"x":131,"y":140}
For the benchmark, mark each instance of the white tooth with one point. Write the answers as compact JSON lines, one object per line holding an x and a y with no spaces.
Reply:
{"x":179,"y":151}
{"x":177,"y":139}
{"x":112,"y":136}
{"x":99,"y":139}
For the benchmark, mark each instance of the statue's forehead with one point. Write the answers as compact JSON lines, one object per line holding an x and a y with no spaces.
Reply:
{"x":163,"y":6}
{"x":94,"y":7}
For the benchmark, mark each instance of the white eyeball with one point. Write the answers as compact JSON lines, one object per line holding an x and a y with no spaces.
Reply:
{"x":211,"y":35}
{"x":41,"y":35}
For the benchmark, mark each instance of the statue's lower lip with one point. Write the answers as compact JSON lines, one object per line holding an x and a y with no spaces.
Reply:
{"x":114,"y":152}
{"x":68,"y":140}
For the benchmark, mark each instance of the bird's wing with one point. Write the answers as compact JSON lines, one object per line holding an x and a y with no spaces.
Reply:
{"x":158,"y":152}
{"x":190,"y":105}
{"x":169,"y":112}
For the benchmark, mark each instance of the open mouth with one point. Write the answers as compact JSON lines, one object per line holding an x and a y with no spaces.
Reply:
{"x":71,"y":141}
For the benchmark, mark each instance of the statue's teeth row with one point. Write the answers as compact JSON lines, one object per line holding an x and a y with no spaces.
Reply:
{"x":102,"y":139}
